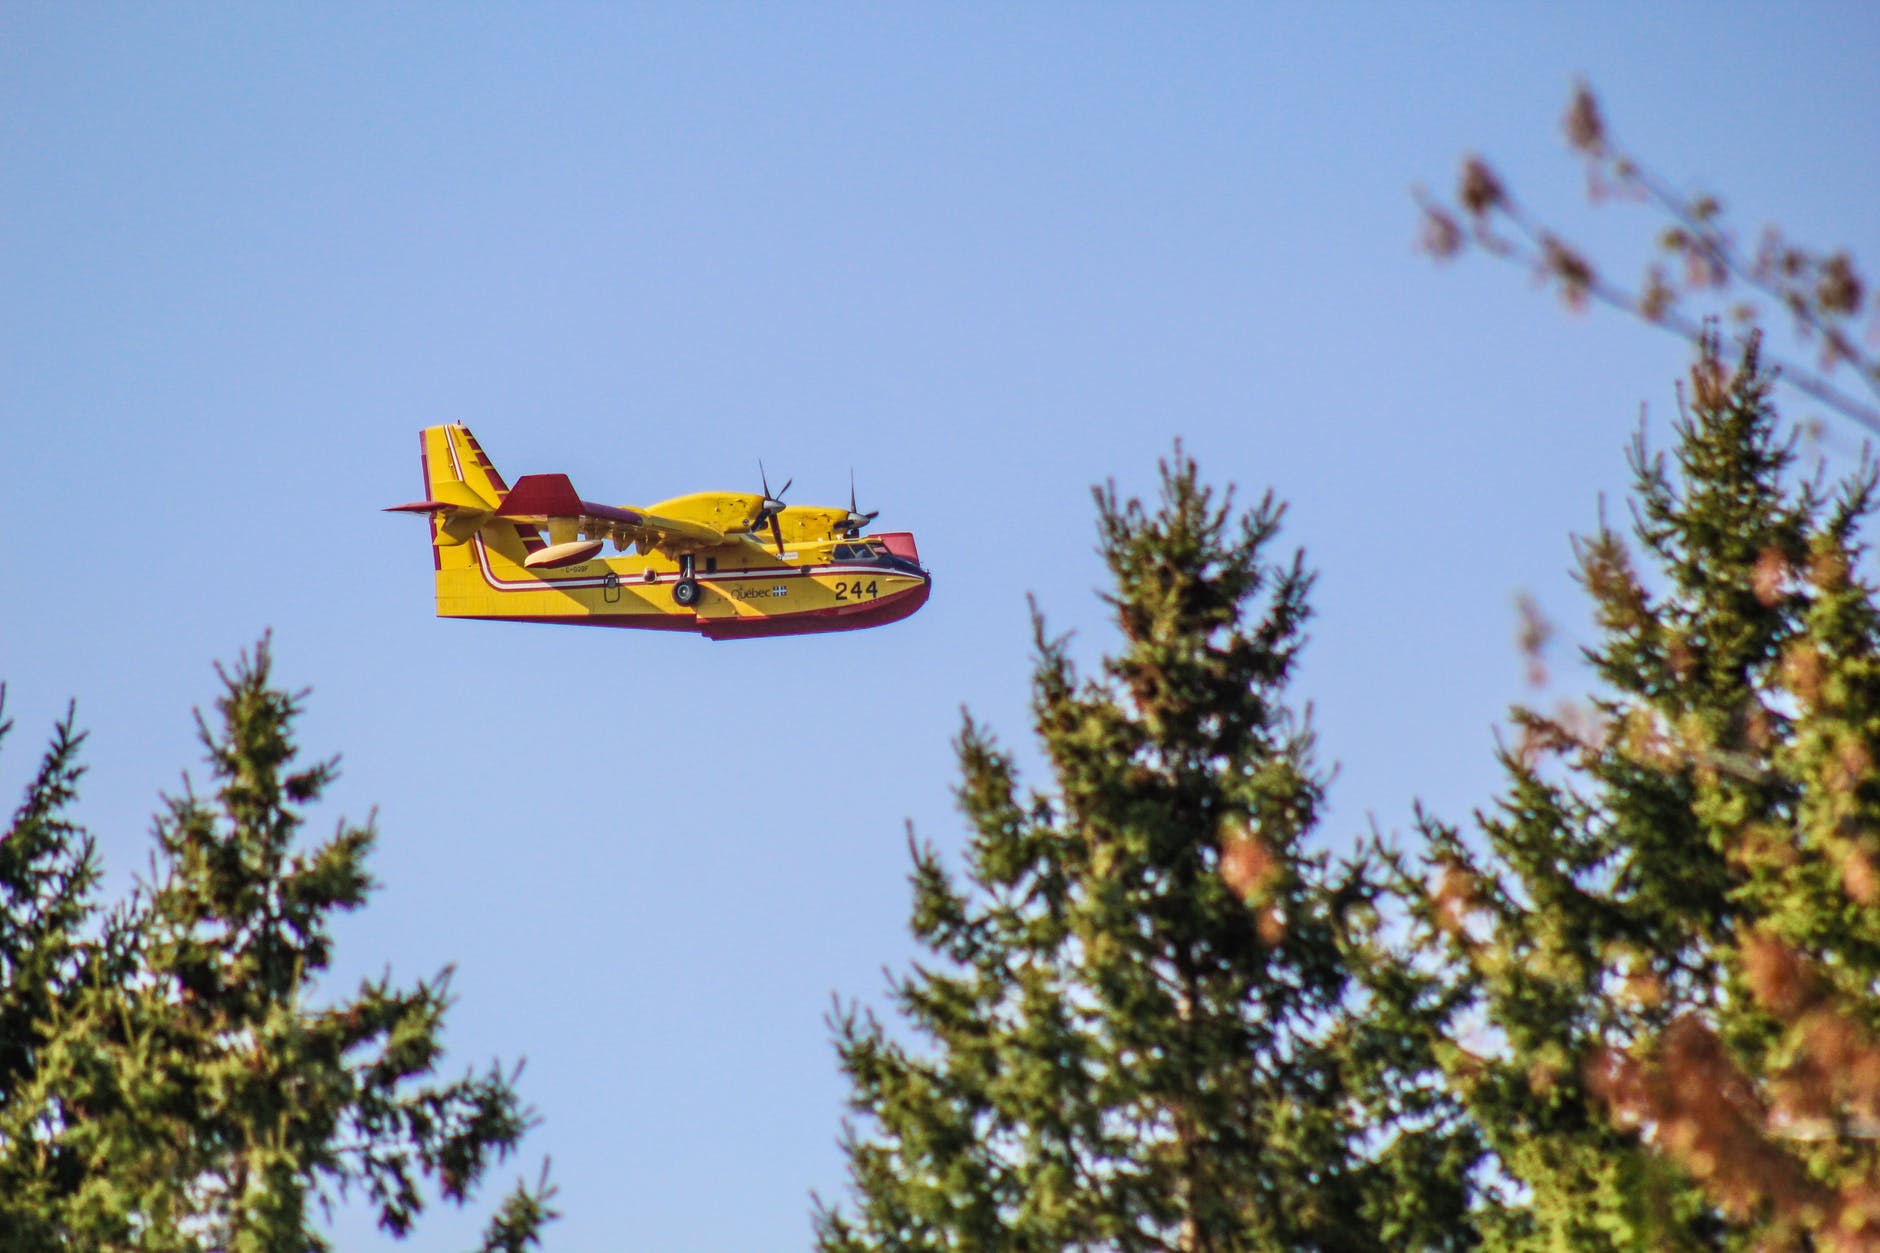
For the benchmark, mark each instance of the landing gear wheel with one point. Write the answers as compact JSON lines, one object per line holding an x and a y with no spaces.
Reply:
{"x":686,"y":592}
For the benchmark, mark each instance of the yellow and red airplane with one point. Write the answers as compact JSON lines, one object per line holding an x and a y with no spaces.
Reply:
{"x":532,"y":553}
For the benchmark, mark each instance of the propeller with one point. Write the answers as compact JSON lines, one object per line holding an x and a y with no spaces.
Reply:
{"x":772,"y":506}
{"x":853,"y":524}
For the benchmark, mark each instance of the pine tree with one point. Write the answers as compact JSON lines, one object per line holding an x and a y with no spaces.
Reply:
{"x":49,"y":872}
{"x":1131,"y":1028}
{"x":170,"y":1081}
{"x":1661,"y":948}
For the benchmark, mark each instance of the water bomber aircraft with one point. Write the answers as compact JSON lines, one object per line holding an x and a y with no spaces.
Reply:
{"x":728,"y":565}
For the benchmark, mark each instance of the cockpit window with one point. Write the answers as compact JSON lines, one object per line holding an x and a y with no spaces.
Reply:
{"x":845,"y":552}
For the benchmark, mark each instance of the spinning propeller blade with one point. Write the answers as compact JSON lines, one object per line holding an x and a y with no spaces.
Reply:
{"x":854,"y":523}
{"x":772,"y":506}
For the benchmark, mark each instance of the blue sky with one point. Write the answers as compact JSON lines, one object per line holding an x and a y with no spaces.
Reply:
{"x":983,"y":255}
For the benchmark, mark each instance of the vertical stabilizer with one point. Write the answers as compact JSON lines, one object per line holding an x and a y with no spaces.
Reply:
{"x":472,"y":549}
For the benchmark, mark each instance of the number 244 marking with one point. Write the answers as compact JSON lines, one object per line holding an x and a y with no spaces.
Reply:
{"x":856,"y":590}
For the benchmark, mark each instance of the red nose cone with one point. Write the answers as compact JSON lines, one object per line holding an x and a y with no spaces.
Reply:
{"x":901,"y":544}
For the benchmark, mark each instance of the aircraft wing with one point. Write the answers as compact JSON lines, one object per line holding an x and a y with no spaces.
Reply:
{"x":550,"y":500}
{"x":678,"y":529}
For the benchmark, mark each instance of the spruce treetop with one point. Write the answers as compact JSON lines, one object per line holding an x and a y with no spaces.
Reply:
{"x":180,"y":1089}
{"x":1123,"y":1038}
{"x":1667,"y":921}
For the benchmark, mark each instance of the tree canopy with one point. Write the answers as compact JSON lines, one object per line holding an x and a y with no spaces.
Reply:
{"x":169,"y":1079}
{"x":1113,"y":1052}
{"x":1661,"y":941}
{"x":1634,"y":1005}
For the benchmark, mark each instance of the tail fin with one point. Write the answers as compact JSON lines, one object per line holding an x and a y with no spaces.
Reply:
{"x":462,"y":491}
{"x":453,"y":461}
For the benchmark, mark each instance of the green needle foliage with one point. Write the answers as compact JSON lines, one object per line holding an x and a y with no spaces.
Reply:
{"x":1132,"y":1029}
{"x":48,"y":874}
{"x":168,"y":1080}
{"x":1661,"y":950}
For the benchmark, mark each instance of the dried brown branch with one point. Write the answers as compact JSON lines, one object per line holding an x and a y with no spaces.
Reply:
{"x":1699,"y":264}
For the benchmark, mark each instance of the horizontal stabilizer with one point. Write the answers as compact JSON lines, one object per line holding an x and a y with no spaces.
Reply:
{"x":445,"y":494}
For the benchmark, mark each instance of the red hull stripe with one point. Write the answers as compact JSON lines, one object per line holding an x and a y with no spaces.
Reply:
{"x":813,"y":622}
{"x":498,"y":583}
